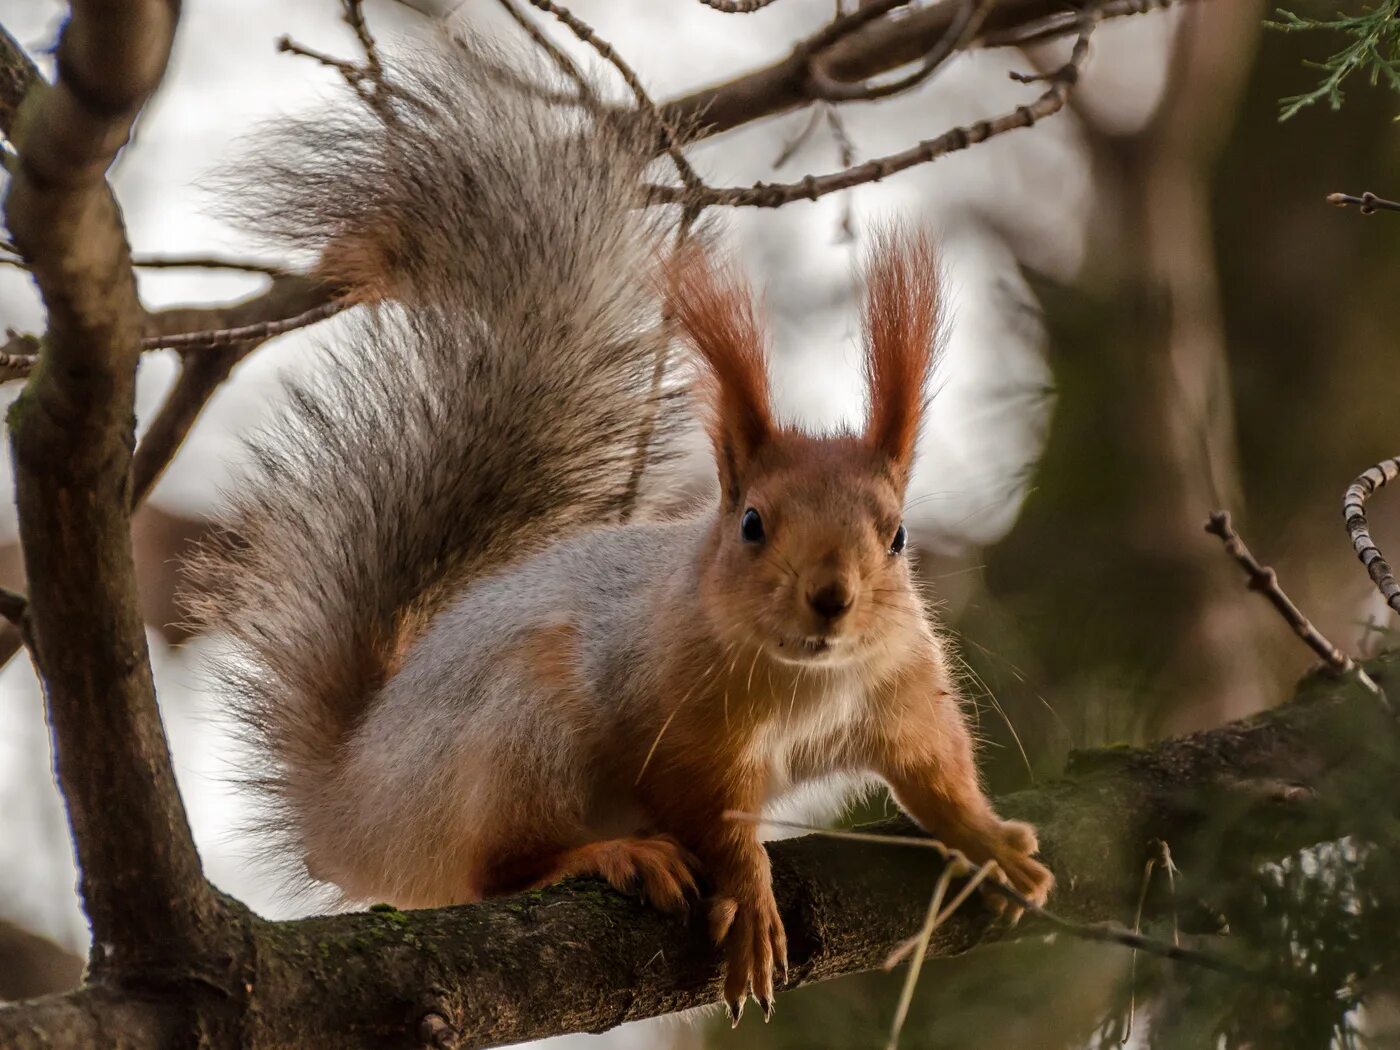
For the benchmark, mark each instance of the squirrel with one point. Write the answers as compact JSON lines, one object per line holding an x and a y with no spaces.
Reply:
{"x":465,"y":669}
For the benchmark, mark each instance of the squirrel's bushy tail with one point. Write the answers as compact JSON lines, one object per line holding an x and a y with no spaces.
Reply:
{"x":495,"y":396}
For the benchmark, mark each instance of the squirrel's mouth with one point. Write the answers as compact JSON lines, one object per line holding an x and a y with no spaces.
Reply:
{"x":802,"y":650}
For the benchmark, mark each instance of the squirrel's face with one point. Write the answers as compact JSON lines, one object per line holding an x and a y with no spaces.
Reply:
{"x":808,"y":558}
{"x":810,"y":561}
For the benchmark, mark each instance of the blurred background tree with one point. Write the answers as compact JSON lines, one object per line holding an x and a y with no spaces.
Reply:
{"x":1157,"y":316}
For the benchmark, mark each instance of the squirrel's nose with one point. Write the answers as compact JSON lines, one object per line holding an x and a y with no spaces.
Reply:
{"x":831,"y":601}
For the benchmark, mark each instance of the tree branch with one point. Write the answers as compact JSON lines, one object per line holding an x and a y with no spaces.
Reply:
{"x":258,"y":318}
{"x":580,"y":958}
{"x":879,"y":46}
{"x":71,"y":436}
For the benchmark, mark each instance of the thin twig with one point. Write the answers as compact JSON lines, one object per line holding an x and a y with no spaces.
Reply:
{"x":1164,"y":858}
{"x":1368,"y":202}
{"x":1107,"y":932}
{"x":352,"y":73}
{"x":367,"y":81}
{"x":774,"y":195}
{"x":846,"y":156}
{"x":220,"y":337}
{"x":959,"y":870}
{"x":737,"y":7}
{"x":557,"y":54}
{"x":1063,"y":22}
{"x":1264,"y":580}
{"x":178,"y":262}
{"x":694,"y":186}
{"x":208,"y":262}
{"x":1137,"y":928}
{"x":959,"y":34}
{"x":792,"y":145}
{"x":918,"y":945}
{"x":354,"y":15}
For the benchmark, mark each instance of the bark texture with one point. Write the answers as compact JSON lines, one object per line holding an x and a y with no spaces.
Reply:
{"x":579,"y":957}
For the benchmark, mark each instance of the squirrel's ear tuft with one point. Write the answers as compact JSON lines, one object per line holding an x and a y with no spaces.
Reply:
{"x":901,"y":332}
{"x":713,"y":306}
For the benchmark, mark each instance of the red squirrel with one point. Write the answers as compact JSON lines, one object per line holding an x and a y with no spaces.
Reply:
{"x":463,"y":674}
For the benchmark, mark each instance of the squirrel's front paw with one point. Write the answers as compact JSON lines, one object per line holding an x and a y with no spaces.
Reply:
{"x":1013,"y":845}
{"x":755,"y":945}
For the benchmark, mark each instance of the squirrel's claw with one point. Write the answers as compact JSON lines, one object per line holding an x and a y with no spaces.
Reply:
{"x":754,"y":947}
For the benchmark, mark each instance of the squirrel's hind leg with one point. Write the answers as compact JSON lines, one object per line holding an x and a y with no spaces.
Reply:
{"x":656,"y":868}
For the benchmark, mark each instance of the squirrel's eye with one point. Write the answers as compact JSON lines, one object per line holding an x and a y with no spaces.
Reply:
{"x":751,"y":526}
{"x":901,"y":537}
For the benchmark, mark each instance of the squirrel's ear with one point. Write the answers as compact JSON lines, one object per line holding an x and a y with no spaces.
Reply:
{"x":713,"y":306}
{"x":901,"y":330}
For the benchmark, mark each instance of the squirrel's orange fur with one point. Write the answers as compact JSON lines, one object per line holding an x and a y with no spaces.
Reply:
{"x":463,"y":676}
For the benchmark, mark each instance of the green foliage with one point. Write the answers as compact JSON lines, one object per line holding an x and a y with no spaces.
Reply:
{"x":1374,"y":52}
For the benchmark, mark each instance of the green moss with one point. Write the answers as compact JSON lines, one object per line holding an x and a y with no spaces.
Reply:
{"x":15,"y":414}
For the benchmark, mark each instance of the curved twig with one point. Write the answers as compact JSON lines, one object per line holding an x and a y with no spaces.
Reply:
{"x":1354,"y":514}
{"x":737,"y":7}
{"x":969,"y":20}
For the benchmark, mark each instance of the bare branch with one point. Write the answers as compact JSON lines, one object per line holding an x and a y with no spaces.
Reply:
{"x":671,"y":141}
{"x":557,"y":54}
{"x":349,"y":71}
{"x":71,"y":435}
{"x":353,"y":11}
{"x":259,"y":331}
{"x":866,"y":44}
{"x":368,"y":80}
{"x":581,"y":958}
{"x":1264,"y":580}
{"x":737,"y":7}
{"x":775,"y":195}
{"x":176,"y":262}
{"x":202,"y":372}
{"x":1354,"y":513}
{"x":1368,"y":202}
